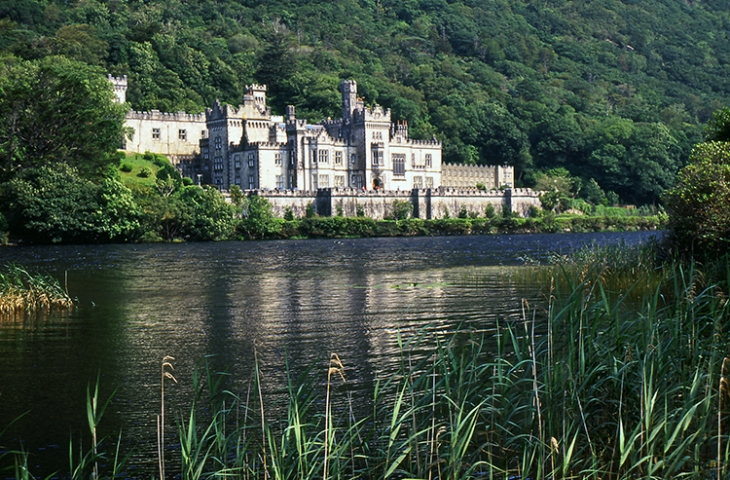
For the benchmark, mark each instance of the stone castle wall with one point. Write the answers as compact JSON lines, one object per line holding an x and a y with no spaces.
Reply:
{"x":427,"y":203}
{"x":173,"y":134}
{"x":468,"y":176}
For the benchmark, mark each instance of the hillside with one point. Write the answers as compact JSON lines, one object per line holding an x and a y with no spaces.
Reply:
{"x":614,"y":91}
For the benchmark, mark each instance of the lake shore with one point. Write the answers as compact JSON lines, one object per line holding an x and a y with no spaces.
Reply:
{"x":354,"y":227}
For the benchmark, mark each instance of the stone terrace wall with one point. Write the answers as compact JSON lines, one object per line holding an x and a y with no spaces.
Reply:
{"x":427,"y":203}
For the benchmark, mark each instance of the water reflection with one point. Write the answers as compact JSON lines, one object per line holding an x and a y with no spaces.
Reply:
{"x":296,"y":302}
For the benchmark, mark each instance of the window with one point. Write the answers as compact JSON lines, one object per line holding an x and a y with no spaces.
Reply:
{"x":218,"y":180}
{"x":155,"y":134}
{"x":202,"y":134}
{"x":182,"y":134}
{"x":377,"y":135}
{"x":429,"y":182}
{"x":324,"y":181}
{"x":218,"y":143}
{"x":205,"y":153}
{"x":238,"y":181}
{"x":280,"y":182}
{"x":353,"y":158}
{"x":356,"y":181}
{"x":378,"y":157}
{"x":251,"y":182}
{"x":429,"y":161}
{"x":251,"y":161}
{"x":314,"y":181}
{"x":277,"y":159}
{"x":418,"y":182}
{"x":399,"y":164}
{"x":237,"y":161}
{"x":218,"y":164}
{"x":324,"y":156}
{"x":338,"y":158}
{"x":339,"y":180}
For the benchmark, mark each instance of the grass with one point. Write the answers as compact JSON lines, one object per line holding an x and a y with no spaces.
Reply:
{"x":581,"y":387}
{"x":22,"y":291}
{"x":138,"y":162}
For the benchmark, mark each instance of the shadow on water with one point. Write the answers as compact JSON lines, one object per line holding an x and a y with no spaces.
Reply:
{"x":297,"y":301}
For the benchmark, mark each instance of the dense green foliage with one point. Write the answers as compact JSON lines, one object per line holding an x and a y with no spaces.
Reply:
{"x":615,"y":92}
{"x":344,"y":227}
{"x":55,"y":110}
{"x":698,"y":204}
{"x":55,"y":204}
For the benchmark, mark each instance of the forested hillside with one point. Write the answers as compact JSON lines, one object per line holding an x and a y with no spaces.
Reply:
{"x":615,"y":92}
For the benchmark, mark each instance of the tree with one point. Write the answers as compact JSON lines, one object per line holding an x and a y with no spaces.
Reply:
{"x":211,"y":217}
{"x":698,"y":204}
{"x":258,"y":218}
{"x":57,"y":110}
{"x":53,"y":204}
{"x":718,"y":128}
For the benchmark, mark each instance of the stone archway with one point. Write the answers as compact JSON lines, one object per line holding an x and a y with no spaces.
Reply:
{"x":377,"y":183}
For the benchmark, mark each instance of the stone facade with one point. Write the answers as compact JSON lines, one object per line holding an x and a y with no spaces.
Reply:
{"x":249,"y":147}
{"x":469,"y":176}
{"x":176,"y":135}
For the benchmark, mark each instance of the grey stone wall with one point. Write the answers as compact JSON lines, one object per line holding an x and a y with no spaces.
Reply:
{"x":427,"y":203}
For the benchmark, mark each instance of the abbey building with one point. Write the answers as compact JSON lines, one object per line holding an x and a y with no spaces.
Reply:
{"x":249,"y":147}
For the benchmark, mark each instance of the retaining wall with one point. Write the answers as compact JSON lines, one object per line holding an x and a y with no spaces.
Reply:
{"x":427,"y":203}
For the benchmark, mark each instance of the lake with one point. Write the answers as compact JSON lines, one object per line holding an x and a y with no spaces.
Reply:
{"x":296,"y":301}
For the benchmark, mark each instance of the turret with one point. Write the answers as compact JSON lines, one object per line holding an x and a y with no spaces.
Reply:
{"x":349,"y":99}
{"x":255,"y":94}
{"x":120,"y":87}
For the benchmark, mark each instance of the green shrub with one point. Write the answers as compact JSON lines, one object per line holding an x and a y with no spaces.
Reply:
{"x":145,"y":172}
{"x":401,"y":209}
{"x":148,"y":156}
{"x":310,"y":211}
{"x":463,"y":212}
{"x":126,"y":168}
{"x":490,"y":212}
{"x":288,"y":214}
{"x":187,"y":181}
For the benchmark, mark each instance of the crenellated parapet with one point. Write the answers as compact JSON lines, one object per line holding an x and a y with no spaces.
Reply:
{"x":424,"y":143}
{"x":278,"y":145}
{"x":375,"y":114}
{"x":156,"y":115}
{"x":526,"y":192}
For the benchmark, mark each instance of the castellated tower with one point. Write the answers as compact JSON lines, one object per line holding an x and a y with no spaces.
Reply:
{"x":120,"y":87}
{"x":349,"y":99}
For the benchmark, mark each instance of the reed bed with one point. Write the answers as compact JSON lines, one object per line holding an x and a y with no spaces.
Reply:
{"x":581,"y":388}
{"x":22,"y":291}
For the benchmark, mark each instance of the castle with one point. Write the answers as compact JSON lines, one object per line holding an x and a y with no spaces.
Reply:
{"x":249,"y":147}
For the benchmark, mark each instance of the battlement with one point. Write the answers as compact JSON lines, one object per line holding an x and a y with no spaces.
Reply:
{"x":426,"y":143}
{"x":267,"y":144}
{"x":120,"y":87}
{"x":121,"y":81}
{"x":375,"y":114}
{"x":166,"y":117}
{"x":256,"y":87}
{"x":465,"y":168}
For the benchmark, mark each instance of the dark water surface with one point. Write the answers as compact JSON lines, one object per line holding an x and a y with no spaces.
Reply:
{"x":298,"y":300}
